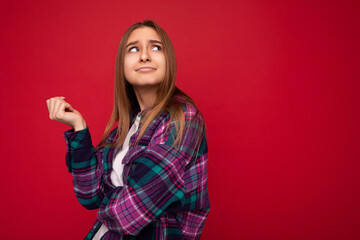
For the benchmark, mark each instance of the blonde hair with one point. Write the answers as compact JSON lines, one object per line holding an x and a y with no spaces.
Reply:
{"x":125,"y":101}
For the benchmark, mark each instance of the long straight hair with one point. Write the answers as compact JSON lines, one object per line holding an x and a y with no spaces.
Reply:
{"x":125,"y":101}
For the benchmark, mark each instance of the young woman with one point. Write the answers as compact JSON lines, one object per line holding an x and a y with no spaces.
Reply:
{"x":147,"y":177}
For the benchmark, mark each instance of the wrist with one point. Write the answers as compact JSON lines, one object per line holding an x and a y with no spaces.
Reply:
{"x":80,"y":126}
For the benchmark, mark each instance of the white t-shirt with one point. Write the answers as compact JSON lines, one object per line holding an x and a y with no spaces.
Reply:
{"x":117,"y":169}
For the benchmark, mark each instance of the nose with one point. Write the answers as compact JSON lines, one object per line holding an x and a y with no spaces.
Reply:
{"x":145,"y":56}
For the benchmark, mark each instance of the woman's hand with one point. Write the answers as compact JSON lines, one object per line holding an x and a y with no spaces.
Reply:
{"x":61,"y":111}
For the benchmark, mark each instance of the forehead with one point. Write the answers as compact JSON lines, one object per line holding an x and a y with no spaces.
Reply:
{"x":143,"y":33}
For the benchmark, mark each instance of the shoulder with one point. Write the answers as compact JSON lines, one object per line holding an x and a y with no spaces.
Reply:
{"x":179,"y":113}
{"x":189,"y":109}
{"x":183,"y":114}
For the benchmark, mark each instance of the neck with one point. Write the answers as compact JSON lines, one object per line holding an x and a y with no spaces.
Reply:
{"x":146,"y":96}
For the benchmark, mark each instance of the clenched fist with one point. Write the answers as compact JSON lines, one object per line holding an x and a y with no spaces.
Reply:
{"x":61,"y":111}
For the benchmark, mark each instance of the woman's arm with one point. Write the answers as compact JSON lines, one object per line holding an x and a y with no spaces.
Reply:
{"x":80,"y":156}
{"x":82,"y":163}
{"x":156,"y":183}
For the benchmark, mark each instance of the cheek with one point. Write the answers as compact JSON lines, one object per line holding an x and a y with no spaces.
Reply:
{"x":127,"y":66}
{"x":162,"y":61}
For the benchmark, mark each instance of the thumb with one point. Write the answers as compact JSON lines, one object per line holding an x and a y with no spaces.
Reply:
{"x":68,"y":107}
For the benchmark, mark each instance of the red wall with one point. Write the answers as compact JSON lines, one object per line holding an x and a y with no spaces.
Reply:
{"x":277,"y":82}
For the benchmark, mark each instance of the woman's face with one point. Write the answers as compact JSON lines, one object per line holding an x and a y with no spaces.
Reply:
{"x":144,"y":60}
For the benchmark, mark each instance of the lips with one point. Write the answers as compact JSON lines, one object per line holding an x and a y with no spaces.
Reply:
{"x":145,"y":69}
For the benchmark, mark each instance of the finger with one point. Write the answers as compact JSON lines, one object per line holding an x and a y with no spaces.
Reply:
{"x":56,"y":107}
{"x":60,"y":97}
{"x":48,"y":104}
{"x":60,"y":111}
{"x":52,"y":107}
{"x":68,"y":107}
{"x":53,"y":104}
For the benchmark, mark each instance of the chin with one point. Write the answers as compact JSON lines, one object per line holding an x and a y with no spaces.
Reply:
{"x":147,"y":82}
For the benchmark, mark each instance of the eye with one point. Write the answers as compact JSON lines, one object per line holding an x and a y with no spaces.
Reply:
{"x":133,"y":49}
{"x":156,"y":48}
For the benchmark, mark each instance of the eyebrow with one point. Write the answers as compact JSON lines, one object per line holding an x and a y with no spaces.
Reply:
{"x":135,"y":42}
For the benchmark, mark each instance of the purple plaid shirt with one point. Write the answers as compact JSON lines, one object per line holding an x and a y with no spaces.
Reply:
{"x":165,"y":187}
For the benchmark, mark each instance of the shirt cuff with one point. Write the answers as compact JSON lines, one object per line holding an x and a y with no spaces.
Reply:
{"x":77,"y":140}
{"x":78,"y":148}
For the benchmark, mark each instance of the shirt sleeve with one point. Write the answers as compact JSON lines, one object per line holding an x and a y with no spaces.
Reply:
{"x":82,"y":163}
{"x":156,"y":183}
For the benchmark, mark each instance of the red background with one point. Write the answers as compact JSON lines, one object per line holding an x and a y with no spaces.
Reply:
{"x":277,"y":83}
